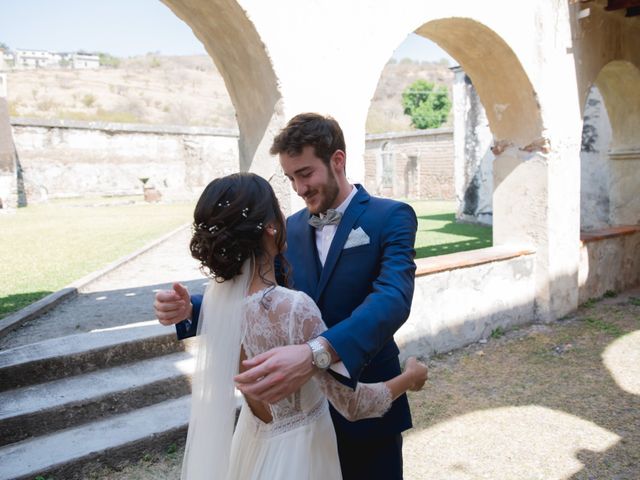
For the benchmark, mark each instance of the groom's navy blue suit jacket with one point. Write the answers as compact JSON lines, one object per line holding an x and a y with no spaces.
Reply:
{"x":364,"y":293}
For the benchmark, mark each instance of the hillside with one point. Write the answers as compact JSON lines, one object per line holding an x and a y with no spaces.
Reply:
{"x":178,"y":90}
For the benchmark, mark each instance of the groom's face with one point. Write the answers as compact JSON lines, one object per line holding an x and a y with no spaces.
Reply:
{"x":312,"y":179}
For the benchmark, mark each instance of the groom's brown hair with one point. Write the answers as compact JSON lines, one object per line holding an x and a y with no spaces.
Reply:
{"x":310,"y":129}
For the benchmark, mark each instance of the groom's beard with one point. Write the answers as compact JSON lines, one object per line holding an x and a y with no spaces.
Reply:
{"x":328,"y":193}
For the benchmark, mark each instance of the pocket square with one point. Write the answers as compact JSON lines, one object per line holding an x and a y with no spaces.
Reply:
{"x":356,"y":238}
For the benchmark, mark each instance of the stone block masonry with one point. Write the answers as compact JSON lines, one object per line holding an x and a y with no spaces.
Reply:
{"x":63,"y":158}
{"x":414,"y":165}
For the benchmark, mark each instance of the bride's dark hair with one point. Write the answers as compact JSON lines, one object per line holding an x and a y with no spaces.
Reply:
{"x":229,"y":221}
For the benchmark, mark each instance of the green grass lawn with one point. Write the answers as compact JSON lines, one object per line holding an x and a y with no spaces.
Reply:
{"x":45,"y":247}
{"x":439,"y":234}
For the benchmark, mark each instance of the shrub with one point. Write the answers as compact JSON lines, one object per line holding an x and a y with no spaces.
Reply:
{"x":46,"y":104}
{"x":107,"y":60}
{"x":89,"y":100}
{"x":427,"y":105}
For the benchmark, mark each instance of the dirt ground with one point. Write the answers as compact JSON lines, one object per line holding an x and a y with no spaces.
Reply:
{"x":556,"y":401}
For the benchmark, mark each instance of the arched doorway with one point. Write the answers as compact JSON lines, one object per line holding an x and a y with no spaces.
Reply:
{"x":619,"y":83}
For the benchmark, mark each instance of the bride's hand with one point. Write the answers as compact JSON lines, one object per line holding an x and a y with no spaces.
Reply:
{"x":417,"y":371}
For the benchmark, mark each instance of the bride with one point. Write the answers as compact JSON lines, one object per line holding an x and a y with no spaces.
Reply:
{"x":238,"y":233}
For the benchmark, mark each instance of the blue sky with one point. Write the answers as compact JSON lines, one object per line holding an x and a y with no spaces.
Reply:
{"x":123,"y":28}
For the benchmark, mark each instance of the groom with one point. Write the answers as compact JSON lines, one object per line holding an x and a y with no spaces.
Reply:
{"x":353,"y":254}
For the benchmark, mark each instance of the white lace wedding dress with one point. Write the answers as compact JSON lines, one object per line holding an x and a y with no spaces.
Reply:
{"x":300,"y":442}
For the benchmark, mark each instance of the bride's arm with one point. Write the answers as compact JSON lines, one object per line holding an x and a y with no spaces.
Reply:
{"x":368,"y":400}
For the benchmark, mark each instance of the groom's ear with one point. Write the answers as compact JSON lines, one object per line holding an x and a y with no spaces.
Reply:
{"x":339,"y":161}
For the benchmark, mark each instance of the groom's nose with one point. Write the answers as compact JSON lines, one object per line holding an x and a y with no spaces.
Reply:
{"x":301,"y":188}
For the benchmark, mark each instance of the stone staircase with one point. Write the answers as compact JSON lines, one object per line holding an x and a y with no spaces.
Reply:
{"x":98,"y":397}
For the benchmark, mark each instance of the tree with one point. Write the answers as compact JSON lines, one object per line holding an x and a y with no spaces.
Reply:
{"x":427,"y":105}
{"x":108,"y":60}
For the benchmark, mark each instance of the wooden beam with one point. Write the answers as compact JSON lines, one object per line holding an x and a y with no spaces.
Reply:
{"x":620,"y":4}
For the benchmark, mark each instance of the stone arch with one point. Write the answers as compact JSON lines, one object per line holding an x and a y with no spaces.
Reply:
{"x":619,"y":84}
{"x":497,"y":74}
{"x":231,"y":39}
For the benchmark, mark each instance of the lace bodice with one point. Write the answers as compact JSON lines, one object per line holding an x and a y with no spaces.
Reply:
{"x":286,"y":317}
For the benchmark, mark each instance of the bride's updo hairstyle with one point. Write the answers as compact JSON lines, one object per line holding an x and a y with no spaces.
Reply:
{"x":229,"y":221}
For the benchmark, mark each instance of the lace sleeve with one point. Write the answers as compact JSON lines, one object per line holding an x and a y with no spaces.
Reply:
{"x":368,"y":400}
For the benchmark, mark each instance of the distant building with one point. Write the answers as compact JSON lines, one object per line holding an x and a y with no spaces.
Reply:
{"x":36,"y":59}
{"x":81,"y":60}
{"x":8,"y":61}
{"x":25,"y":59}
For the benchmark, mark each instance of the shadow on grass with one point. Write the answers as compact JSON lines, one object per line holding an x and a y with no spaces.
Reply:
{"x":452,"y":247}
{"x":440,"y":217}
{"x":13,"y":303}
{"x":464,"y":229}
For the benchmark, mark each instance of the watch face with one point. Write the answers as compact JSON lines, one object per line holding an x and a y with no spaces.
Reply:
{"x":323,"y":359}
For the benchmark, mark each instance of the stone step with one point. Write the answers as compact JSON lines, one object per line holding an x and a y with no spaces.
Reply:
{"x":85,"y":352}
{"x":64,"y":454}
{"x":68,"y":402}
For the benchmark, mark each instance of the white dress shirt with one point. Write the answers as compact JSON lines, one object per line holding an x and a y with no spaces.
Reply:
{"x":324,"y":236}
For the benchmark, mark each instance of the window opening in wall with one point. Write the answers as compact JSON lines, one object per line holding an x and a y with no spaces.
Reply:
{"x":387,"y":166}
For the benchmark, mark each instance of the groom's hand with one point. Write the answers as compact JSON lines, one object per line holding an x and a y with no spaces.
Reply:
{"x":173,"y":306}
{"x":276,"y":374}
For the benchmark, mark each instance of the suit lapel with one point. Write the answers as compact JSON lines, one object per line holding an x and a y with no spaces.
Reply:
{"x":309,"y":253}
{"x":354,"y":210}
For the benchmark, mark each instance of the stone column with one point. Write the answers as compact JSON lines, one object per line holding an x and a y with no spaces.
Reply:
{"x":595,"y":167}
{"x":473,"y":159}
{"x":9,"y":170}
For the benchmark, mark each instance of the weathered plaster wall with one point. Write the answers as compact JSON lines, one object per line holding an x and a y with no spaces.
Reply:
{"x":455,"y":307}
{"x":607,"y":55}
{"x":609,"y":260}
{"x":600,"y":38}
{"x":595,"y":168}
{"x":422,"y":164}
{"x":619,"y":83}
{"x":87,"y":158}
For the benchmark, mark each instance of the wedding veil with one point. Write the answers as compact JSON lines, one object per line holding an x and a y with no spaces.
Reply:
{"x":213,"y":402}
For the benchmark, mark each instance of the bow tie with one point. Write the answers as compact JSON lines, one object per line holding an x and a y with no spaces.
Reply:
{"x":332,"y":217}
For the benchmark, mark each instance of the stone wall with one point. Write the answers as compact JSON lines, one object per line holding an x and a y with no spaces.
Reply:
{"x":460,"y":298}
{"x":413,"y":165}
{"x":609,"y":261}
{"x":68,"y":158}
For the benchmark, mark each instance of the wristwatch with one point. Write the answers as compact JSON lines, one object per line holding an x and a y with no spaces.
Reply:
{"x":321,"y":357}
